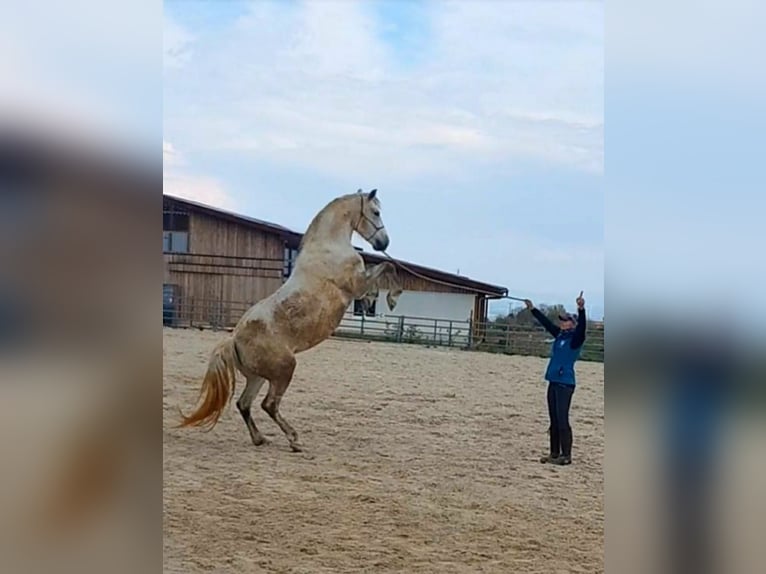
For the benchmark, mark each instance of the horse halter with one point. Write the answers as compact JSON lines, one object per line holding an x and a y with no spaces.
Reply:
{"x":370,"y":221}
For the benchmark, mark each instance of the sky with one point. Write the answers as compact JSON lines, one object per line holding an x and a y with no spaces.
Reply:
{"x":480,"y":124}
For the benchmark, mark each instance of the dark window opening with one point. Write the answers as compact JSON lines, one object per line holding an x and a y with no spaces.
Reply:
{"x":290,"y":255}
{"x":359,"y":308}
{"x":175,"y":221}
{"x":175,"y":232}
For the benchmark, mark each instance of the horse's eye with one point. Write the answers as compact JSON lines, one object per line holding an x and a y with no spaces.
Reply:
{"x":376,"y":213}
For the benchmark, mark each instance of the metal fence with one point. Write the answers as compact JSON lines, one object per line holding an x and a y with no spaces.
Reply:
{"x":494,"y":337}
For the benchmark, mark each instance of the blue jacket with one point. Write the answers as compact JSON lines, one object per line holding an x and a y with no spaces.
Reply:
{"x":565,"y":349}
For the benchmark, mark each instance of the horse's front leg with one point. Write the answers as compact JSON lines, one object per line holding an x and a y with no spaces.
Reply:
{"x":381,"y":275}
{"x":369,"y":298}
{"x":394,"y":288}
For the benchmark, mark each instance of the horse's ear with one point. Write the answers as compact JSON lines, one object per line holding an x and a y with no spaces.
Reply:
{"x":371,"y":195}
{"x":359,"y":190}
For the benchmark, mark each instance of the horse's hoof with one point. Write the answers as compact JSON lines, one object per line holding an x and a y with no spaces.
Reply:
{"x":263,"y":441}
{"x":296,"y":447}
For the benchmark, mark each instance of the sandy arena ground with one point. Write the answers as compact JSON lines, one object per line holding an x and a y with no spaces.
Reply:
{"x":417,"y":460}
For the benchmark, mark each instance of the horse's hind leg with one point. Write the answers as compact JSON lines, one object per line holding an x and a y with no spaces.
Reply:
{"x":270,"y":404}
{"x":244,"y":402}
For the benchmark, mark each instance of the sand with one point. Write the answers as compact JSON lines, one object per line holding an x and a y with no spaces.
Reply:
{"x":417,"y":460}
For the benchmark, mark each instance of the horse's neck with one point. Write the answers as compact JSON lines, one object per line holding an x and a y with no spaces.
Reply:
{"x":326,"y":250}
{"x":330,"y":230}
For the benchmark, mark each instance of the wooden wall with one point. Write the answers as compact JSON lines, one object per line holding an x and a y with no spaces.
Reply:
{"x":413,"y":283}
{"x":215,"y":236}
{"x":229,"y":266}
{"x":479,"y":316}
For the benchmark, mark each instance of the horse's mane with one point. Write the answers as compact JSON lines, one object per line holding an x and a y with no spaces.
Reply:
{"x":314,"y":225}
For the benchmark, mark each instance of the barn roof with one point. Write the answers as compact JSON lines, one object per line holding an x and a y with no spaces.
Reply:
{"x":459,"y":281}
{"x":294,"y":237}
{"x":258,"y":224}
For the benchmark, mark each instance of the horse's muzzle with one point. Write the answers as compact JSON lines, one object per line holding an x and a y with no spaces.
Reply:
{"x":380,"y":243}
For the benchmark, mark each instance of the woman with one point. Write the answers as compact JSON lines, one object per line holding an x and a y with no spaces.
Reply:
{"x":560,"y":374}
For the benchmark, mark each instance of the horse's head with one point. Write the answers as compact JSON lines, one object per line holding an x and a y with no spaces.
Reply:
{"x":369,"y":223}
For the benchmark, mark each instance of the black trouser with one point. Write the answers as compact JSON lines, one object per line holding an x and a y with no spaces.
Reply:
{"x":559,"y":399}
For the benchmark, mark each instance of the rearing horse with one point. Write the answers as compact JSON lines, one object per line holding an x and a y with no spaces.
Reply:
{"x":328,"y":275}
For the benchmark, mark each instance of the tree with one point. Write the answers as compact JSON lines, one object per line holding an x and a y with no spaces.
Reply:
{"x":553,"y":311}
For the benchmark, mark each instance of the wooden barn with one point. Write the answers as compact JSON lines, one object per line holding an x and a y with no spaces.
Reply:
{"x":217,"y":263}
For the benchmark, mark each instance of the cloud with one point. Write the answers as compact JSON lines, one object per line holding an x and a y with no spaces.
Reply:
{"x":314,"y":85}
{"x":178,"y":182}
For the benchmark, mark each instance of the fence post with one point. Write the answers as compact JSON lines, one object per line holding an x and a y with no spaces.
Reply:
{"x":436,"y":321}
{"x":470,"y":333}
{"x":361,"y":329}
{"x":449,"y":336}
{"x":400,"y":330}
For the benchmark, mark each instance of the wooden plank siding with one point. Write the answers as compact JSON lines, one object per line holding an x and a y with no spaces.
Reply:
{"x":227,"y":263}
{"x":412,"y":282}
{"x":479,"y":316}
{"x":209,"y":235}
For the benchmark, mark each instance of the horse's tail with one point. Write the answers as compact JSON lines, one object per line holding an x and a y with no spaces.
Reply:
{"x":217,"y":386}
